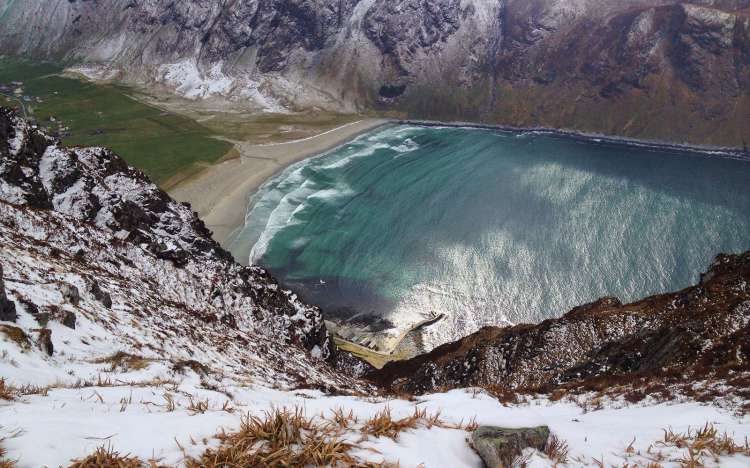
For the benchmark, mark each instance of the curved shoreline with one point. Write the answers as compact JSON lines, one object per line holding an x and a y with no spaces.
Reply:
{"x":733,"y":152}
{"x":221,"y":193}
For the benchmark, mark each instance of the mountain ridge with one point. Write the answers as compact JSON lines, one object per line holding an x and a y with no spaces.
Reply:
{"x":652,"y":69}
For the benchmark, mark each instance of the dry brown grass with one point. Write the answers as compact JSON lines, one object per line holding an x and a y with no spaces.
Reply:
{"x":197,"y":406}
{"x":342,"y":420}
{"x":180,"y":367}
{"x":7,"y":392}
{"x":11,"y":392}
{"x":4,"y":462}
{"x":703,"y":443}
{"x":16,"y":335}
{"x":383,"y":424}
{"x":107,"y":457}
{"x":124,"y":362}
{"x":281,"y":438}
{"x":557,"y":450}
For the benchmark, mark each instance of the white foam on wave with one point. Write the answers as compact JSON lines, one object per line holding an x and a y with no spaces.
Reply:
{"x":289,"y":207}
{"x":366,"y":150}
{"x":407,"y":146}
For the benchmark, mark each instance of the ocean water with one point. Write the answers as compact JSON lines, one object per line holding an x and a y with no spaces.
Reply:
{"x":492,"y":227}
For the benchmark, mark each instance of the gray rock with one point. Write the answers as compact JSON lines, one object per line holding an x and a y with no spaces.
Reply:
{"x":499,"y":446}
{"x":45,"y":341}
{"x":7,"y":307}
{"x":69,"y":319}
{"x":70,"y":293}
{"x":100,"y":295}
{"x":42,"y":318}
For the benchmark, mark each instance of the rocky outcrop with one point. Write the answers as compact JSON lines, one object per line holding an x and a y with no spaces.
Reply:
{"x":698,"y":333}
{"x":101,"y":256}
{"x":501,"y":447}
{"x":669,"y":69}
{"x":70,"y":294}
{"x":93,"y":185}
{"x":7,"y":307}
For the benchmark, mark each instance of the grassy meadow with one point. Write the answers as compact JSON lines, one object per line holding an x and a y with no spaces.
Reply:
{"x":160,"y":143}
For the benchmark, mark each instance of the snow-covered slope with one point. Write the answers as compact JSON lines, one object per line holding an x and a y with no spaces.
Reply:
{"x":96,"y":254}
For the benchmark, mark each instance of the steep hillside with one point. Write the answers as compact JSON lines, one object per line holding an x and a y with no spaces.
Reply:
{"x":668,"y":69}
{"x":98,"y":260}
{"x":695,"y":342}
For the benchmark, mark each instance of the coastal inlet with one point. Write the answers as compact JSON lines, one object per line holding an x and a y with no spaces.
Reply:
{"x":447,"y":229}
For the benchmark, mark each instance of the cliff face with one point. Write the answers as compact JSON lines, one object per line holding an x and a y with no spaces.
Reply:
{"x":700,"y":333}
{"x":665,"y":69}
{"x":96,"y":259}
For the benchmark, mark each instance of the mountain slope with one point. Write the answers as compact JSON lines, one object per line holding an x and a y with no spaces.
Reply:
{"x":667,"y":69}
{"x":694,"y":341}
{"x":98,"y":260}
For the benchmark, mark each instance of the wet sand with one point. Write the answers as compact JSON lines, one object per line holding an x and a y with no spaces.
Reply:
{"x":220,"y":193}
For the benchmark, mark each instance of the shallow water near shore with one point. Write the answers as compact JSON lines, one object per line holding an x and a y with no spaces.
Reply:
{"x":492,"y":227}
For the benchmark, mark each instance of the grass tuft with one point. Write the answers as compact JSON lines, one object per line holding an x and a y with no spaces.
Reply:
{"x":704,"y":442}
{"x":557,"y":450}
{"x":281,"y":437}
{"x":4,"y":462}
{"x":7,"y":392}
{"x":16,"y":335}
{"x":383,"y":424}
{"x":124,"y":362}
{"x":107,"y":457}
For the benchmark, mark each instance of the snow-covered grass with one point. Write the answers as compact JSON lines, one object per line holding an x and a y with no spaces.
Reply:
{"x":164,"y":422}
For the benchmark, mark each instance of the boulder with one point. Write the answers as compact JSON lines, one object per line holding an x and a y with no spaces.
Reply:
{"x":45,"y":341}
{"x":70,"y":293}
{"x":100,"y":295}
{"x":7,"y":307}
{"x":500,"y":446}
{"x":69,"y":319}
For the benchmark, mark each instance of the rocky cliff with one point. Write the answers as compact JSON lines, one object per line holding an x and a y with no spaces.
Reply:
{"x":97,"y":260}
{"x":668,"y":69}
{"x":676,"y":340}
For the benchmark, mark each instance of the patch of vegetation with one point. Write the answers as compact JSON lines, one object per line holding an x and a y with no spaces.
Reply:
{"x":281,"y":438}
{"x":124,"y":362}
{"x":180,"y":367}
{"x":7,"y":393}
{"x":16,"y":335}
{"x":107,"y":457}
{"x":383,"y":424}
{"x":557,"y":450}
{"x":4,"y":462}
{"x":160,"y":143}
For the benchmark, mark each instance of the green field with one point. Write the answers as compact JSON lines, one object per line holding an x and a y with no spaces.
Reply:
{"x":161,"y":144}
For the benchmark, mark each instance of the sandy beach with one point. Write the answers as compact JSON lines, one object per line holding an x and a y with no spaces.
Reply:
{"x":220,"y":193}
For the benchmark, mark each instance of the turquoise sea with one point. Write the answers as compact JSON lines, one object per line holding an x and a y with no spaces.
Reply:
{"x":492,"y":227}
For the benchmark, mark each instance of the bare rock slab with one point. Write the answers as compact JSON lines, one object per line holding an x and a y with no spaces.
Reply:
{"x":7,"y":307}
{"x":500,"y":446}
